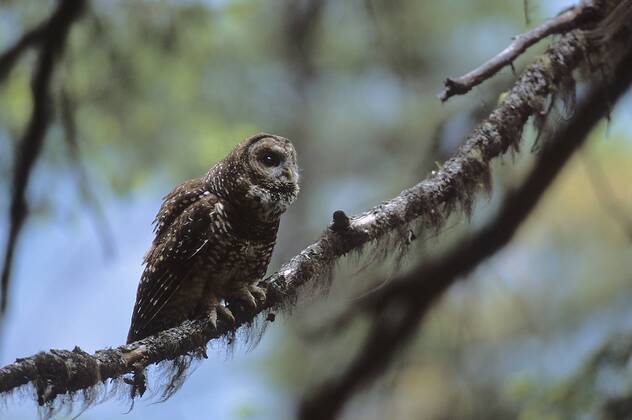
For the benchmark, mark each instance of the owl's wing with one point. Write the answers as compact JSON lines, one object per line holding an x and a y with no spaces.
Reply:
{"x":176,"y":201}
{"x":169,"y":261}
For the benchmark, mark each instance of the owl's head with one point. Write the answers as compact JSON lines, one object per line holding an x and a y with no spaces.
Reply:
{"x":261,"y":173}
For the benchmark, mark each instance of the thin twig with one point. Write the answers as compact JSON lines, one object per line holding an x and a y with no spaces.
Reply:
{"x":570,"y":19}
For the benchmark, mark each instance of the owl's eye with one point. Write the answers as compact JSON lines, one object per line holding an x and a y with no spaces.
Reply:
{"x":270,"y":158}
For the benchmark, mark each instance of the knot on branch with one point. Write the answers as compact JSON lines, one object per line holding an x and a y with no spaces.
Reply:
{"x":453,"y":87}
{"x":340,"y":222}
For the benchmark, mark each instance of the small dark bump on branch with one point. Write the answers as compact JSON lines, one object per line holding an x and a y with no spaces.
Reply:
{"x":340,"y":222}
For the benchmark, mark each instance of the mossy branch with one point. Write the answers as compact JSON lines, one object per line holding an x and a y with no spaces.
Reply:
{"x":566,"y":20}
{"x":397,"y":309}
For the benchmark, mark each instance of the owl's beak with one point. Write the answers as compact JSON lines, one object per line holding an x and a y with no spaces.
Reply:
{"x":291,"y":175}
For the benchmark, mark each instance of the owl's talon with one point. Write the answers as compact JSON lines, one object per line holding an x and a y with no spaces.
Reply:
{"x":221,"y":310}
{"x":227,"y":314}
{"x":258,"y":292}
{"x":246,"y":297}
{"x":212,"y":317}
{"x":249,"y":299}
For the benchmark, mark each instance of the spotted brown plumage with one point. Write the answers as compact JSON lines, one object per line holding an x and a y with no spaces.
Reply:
{"x":215,"y":236}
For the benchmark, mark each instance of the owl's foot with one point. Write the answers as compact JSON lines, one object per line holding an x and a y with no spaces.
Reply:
{"x":226,"y":313}
{"x":258,"y":292}
{"x":250,"y":294}
{"x":214,"y":310}
{"x":212,"y":316}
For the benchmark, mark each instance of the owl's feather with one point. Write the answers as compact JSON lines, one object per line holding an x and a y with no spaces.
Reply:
{"x":186,"y":222}
{"x":176,"y":201}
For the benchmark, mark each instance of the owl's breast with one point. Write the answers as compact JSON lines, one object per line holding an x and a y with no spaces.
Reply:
{"x":229,"y":264}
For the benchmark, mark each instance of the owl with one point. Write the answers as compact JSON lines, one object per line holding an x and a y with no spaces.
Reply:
{"x":214,"y":237}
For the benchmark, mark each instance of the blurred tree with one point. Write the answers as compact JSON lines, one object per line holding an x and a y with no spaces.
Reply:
{"x":148,"y":93}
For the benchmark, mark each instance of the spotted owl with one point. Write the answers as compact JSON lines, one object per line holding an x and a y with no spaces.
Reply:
{"x":214,"y":237}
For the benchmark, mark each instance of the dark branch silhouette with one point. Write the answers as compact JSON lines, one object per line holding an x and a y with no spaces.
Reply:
{"x":399,"y":307}
{"x":13,"y":53}
{"x":51,"y":38}
{"x":569,"y":19}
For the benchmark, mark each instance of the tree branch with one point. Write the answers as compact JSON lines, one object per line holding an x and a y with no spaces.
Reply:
{"x":399,"y":307}
{"x":417,"y":290}
{"x":11,"y":55}
{"x":570,"y":19}
{"x":431,"y":201}
{"x":53,"y":37}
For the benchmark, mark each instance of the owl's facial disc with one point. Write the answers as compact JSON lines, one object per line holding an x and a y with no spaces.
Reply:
{"x":273,"y":160}
{"x":274,"y":182}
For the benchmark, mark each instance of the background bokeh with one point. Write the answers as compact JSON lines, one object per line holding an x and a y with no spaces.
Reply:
{"x":160,"y":90}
